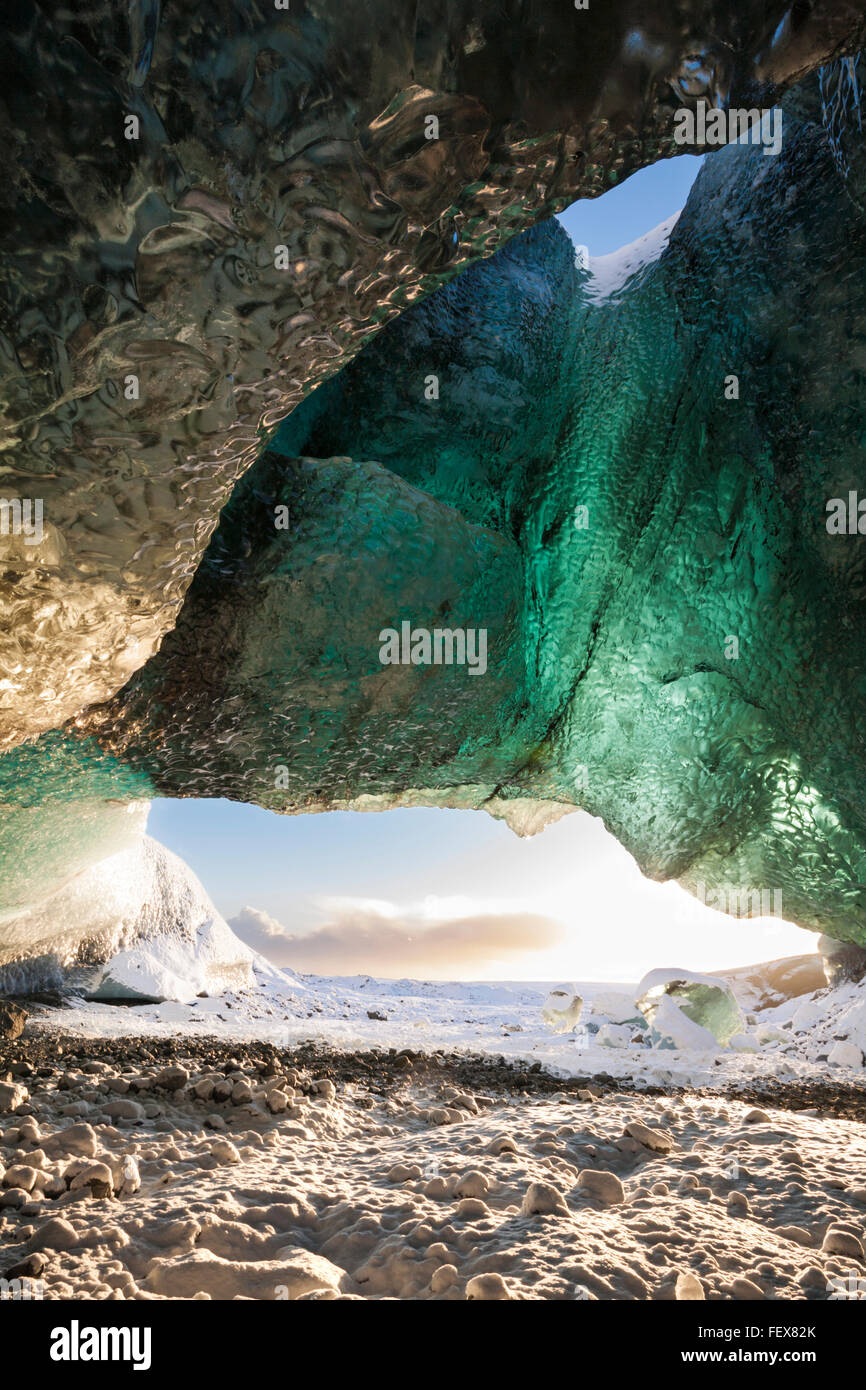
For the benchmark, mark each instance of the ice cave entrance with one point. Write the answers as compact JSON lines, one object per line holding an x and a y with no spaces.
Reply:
{"x":452,"y":895}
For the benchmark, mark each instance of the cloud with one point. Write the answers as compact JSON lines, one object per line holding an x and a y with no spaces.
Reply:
{"x":360,"y":940}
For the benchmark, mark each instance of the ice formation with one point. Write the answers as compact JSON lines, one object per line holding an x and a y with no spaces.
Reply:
{"x":686,"y":1009}
{"x":561,"y":1009}
{"x":204,"y":228}
{"x":137,"y":925}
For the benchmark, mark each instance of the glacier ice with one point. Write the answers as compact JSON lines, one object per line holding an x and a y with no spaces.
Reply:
{"x":137,"y":924}
{"x":689,"y":1010}
{"x":188,"y":254}
{"x":675,"y":636}
{"x":561,"y":1009}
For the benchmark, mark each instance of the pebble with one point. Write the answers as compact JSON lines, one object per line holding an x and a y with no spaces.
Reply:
{"x":543,"y":1199}
{"x":472,"y":1184}
{"x":688,"y":1289}
{"x":606,"y":1187}
{"x":445,"y":1277}
{"x":839,"y":1242}
{"x":656,"y":1139}
{"x":224,"y":1151}
{"x":488,"y":1288}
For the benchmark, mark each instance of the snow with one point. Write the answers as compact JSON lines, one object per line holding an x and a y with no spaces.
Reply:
{"x":611,"y":275}
{"x":502,"y":1018}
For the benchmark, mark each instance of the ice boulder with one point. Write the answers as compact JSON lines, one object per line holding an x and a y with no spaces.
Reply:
{"x":561,"y":1009}
{"x":613,"y":1035}
{"x":616,"y":1006}
{"x":687,"y":1010}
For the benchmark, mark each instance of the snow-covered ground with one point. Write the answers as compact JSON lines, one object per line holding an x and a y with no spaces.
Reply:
{"x":795,"y":1038}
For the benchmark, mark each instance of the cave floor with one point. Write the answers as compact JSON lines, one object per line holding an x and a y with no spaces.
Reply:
{"x":413,"y":1176}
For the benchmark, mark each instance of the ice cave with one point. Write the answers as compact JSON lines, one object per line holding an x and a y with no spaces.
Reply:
{"x":334,"y":479}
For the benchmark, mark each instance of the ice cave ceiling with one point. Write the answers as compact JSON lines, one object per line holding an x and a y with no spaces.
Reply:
{"x":282,"y":262}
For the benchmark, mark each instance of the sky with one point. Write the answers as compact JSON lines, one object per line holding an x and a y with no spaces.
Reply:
{"x":455,"y":895}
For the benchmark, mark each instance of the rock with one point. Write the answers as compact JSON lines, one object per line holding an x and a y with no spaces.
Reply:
{"x":172,"y":1078}
{"x":12,"y":1096}
{"x":656,"y":1139}
{"x":756,"y":1117}
{"x":487,"y":1288}
{"x":20,"y":1175}
{"x":472,"y":1184}
{"x":277,"y":1101}
{"x":543,"y":1199}
{"x":14,"y":1197}
{"x":839,"y":1242}
{"x":605,"y":1187}
{"x":796,"y":1234}
{"x":812,"y":1278}
{"x":445,"y":1277}
{"x":738,"y":1204}
{"x":12,"y":1020}
{"x":290,"y":1274}
{"x":403,"y":1172}
{"x":78,"y":1140}
{"x":242,"y":1093}
{"x":688,"y":1289}
{"x":503,"y":1144}
{"x":29,"y":1268}
{"x":326,"y":1088}
{"x":224,"y":1151}
{"x":471,"y":1209}
{"x":745,"y":1290}
{"x":204,"y":1089}
{"x":124,"y":1110}
{"x":97,"y":1176}
{"x":56,"y":1234}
